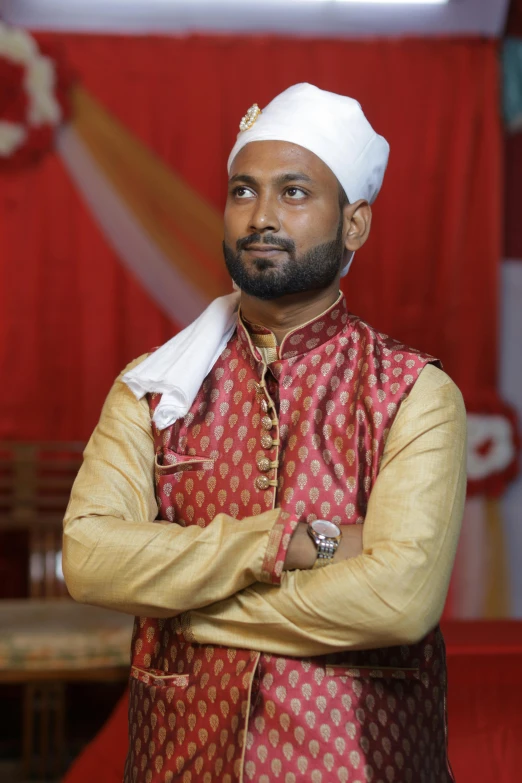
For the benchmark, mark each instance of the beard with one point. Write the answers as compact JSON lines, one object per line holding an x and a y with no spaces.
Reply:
{"x":265,"y":279}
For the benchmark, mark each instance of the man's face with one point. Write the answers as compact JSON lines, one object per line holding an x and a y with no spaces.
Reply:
{"x":283,"y":224}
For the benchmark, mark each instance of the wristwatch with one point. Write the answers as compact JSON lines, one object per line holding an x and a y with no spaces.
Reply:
{"x":326,"y":537}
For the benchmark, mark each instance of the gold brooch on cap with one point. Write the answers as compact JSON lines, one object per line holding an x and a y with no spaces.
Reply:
{"x":250,"y":117}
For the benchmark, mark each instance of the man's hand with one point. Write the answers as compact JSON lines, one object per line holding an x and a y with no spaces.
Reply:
{"x":302,"y":553}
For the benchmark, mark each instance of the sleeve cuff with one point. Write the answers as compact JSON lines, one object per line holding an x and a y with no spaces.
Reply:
{"x":278,"y":543}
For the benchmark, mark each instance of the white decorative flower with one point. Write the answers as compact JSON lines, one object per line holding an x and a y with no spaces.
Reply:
{"x":37,"y":79}
{"x":40,"y":83}
{"x":17,"y":45}
{"x":12,"y":136}
{"x":491,"y":448}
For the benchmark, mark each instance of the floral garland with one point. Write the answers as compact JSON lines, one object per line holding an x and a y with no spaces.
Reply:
{"x":493,"y":449}
{"x":34,"y":97}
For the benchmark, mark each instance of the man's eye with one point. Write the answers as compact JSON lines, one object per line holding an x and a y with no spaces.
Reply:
{"x":295,"y":193}
{"x":242,"y":192}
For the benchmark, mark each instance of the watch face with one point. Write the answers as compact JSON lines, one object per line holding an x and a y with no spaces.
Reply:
{"x":324,"y":528}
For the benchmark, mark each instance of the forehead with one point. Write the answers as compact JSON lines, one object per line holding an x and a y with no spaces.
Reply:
{"x":267,"y":160}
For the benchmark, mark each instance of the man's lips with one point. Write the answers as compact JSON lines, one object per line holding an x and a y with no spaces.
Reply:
{"x":264,"y":249}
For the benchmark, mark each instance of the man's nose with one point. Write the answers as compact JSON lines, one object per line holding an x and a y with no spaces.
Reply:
{"x":264,"y":216}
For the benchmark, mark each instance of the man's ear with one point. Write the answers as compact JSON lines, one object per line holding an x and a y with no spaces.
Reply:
{"x":357,"y":218}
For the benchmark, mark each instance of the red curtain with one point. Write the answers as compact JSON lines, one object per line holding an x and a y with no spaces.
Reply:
{"x":513,"y":223}
{"x":514,"y":20}
{"x":71,"y":316}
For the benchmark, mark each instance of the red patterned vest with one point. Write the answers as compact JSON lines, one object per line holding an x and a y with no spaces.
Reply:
{"x":203,"y":713}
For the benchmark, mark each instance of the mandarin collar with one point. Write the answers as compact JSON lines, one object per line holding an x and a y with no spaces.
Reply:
{"x":303,"y":338}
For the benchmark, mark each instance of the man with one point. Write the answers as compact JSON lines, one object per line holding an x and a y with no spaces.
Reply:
{"x":310,"y":485}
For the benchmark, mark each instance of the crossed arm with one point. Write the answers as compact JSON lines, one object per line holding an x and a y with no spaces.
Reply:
{"x":115,"y":556}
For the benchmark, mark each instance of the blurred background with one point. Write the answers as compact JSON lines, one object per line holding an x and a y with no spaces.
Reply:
{"x":116,"y":120}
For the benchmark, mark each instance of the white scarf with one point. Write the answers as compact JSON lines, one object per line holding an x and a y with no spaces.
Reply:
{"x":179,"y":367}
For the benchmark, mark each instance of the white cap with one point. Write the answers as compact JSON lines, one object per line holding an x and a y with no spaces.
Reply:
{"x":331,"y":126}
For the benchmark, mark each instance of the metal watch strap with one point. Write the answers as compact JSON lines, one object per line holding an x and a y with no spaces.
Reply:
{"x":326,"y":549}
{"x":325,"y":552}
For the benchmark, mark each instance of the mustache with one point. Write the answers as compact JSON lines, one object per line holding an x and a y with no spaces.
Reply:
{"x":266,"y":239}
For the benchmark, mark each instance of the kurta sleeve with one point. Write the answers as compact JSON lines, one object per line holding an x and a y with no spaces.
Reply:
{"x":116,"y":555}
{"x":394,"y":592}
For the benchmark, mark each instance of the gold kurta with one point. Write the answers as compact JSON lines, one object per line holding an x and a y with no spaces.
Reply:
{"x":116,"y":556}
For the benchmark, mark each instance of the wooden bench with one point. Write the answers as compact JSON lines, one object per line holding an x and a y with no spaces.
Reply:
{"x":48,"y":640}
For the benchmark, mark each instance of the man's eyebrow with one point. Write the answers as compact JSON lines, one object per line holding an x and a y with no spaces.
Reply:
{"x":242,"y":178}
{"x":293,"y":176}
{"x":283,"y":179}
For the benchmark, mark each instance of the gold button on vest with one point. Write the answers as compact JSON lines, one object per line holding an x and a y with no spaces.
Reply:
{"x":266,"y":441}
{"x":267,"y":423}
{"x":262,"y":482}
{"x":263,"y":463}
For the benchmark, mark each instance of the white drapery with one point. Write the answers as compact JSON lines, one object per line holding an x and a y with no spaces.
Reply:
{"x":294,"y":17}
